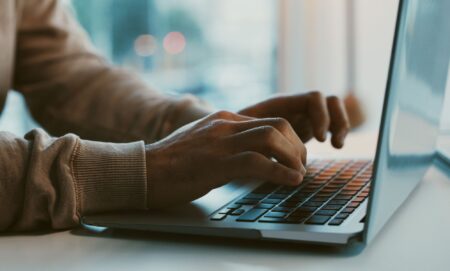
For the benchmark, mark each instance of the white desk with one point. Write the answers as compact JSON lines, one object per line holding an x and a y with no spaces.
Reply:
{"x":417,"y":238}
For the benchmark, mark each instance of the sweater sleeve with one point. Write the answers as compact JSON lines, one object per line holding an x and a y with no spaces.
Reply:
{"x":50,"y":182}
{"x":69,"y":88}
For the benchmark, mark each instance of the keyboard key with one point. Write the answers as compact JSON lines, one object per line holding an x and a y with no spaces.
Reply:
{"x":296,"y":199}
{"x":295,"y":219}
{"x":218,"y":216}
{"x":348,"y":210}
{"x":353,"y":204}
{"x":282,"y":209}
{"x":326,"y":212}
{"x":332,"y":207}
{"x":275,"y":214}
{"x":310,"y":190}
{"x":306,"y":209}
{"x":255,"y":196}
{"x":319,"y":199}
{"x":289,"y":204}
{"x":342,"y":215}
{"x":338,"y":186}
{"x":278,"y":196}
{"x":357,"y":182}
{"x":359,"y":199}
{"x":301,"y":195}
{"x":336,"y":222}
{"x":264,"y":206}
{"x":329,"y":190}
{"x":351,"y":188}
{"x":237,"y":212}
{"x":343,"y":197}
{"x":299,"y":213}
{"x":246,"y":202}
{"x":252,"y":215}
{"x":318,"y":220}
{"x":340,"y":181}
{"x":234,"y":206}
{"x":349,"y":193}
{"x":325,"y":194}
{"x":272,"y":201}
{"x":225,"y":211}
{"x":312,"y":204}
{"x":337,"y":202}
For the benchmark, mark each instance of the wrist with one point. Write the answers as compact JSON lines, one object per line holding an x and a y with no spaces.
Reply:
{"x":187,"y":110}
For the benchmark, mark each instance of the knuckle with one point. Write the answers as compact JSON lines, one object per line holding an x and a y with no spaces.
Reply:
{"x":281,"y":123}
{"x":267,"y":133}
{"x":299,"y":152}
{"x":346,"y":126}
{"x":315,"y":94}
{"x":218,"y":124}
{"x":222,"y":114}
{"x":252,"y":158}
{"x":280,"y":173}
{"x":275,"y":168}
{"x":333,"y":98}
{"x":326,"y":120}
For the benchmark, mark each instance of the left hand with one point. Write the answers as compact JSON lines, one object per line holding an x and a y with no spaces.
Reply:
{"x":311,"y":115}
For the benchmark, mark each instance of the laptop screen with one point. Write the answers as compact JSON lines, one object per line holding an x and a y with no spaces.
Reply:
{"x":412,"y":108}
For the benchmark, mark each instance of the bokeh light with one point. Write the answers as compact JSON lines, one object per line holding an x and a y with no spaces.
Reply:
{"x":145,"y":45}
{"x":174,"y":43}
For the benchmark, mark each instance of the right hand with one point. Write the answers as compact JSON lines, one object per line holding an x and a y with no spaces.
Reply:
{"x":219,"y":148}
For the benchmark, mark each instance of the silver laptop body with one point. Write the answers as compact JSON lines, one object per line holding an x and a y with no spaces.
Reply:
{"x":443,"y":150}
{"x":405,"y":150}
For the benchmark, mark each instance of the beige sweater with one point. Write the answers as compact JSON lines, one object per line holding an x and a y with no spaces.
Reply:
{"x":49,"y":182}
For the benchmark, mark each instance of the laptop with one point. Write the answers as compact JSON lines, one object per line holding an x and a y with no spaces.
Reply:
{"x":340,"y":201}
{"x":444,"y":148}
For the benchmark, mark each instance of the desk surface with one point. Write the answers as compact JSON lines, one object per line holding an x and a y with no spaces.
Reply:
{"x":417,"y":238}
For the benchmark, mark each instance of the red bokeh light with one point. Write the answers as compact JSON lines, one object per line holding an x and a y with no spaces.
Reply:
{"x":174,"y":43}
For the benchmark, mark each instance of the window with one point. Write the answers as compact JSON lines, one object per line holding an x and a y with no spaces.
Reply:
{"x":223,"y":51}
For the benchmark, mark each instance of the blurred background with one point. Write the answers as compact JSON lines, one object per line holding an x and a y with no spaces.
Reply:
{"x":234,"y":53}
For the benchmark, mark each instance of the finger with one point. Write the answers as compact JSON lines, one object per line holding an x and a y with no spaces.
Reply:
{"x":221,"y":122}
{"x":282,"y":125}
{"x":302,"y":127}
{"x":339,"y":124}
{"x":318,"y":112}
{"x":278,"y":106}
{"x":268,"y":141}
{"x":252,"y":165}
{"x":226,"y":115}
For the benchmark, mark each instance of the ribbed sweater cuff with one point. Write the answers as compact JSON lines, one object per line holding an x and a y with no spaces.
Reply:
{"x":110,"y":177}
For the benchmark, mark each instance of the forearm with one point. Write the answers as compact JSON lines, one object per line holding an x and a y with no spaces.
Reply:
{"x":70,"y":88}
{"x":51,"y":182}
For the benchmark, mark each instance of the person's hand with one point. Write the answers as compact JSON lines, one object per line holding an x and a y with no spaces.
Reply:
{"x":220,"y":148}
{"x":311,"y":115}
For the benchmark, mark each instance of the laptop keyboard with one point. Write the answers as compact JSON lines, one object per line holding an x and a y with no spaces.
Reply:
{"x":329,"y":194}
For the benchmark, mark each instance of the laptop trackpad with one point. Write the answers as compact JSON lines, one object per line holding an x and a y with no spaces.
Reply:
{"x":198,"y":210}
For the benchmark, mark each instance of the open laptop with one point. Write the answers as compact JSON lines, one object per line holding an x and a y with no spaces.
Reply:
{"x":444,"y":148}
{"x":344,"y":200}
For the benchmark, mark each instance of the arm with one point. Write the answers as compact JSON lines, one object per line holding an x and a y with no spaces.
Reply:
{"x":50,"y":182}
{"x":69,"y":88}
